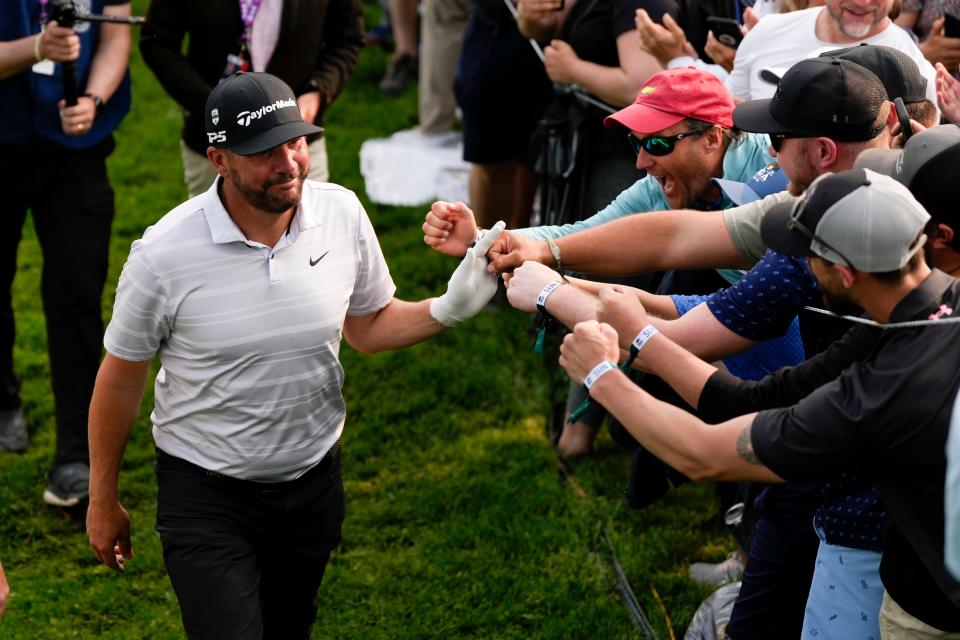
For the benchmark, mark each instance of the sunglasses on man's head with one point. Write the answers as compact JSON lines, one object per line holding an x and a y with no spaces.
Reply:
{"x":661,"y":145}
{"x":794,"y":224}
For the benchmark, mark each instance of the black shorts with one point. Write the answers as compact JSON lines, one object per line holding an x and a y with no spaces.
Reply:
{"x":502,"y":89}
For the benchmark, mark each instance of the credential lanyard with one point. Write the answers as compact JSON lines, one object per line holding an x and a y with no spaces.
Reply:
{"x":248,"y":11}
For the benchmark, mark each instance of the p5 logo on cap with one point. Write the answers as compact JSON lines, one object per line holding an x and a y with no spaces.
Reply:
{"x":216,"y":136}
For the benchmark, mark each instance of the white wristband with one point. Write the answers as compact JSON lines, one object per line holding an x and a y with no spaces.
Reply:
{"x":596,"y":372}
{"x":643,"y":337}
{"x":545,"y":293}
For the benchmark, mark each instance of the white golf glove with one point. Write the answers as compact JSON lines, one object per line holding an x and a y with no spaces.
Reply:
{"x":470,"y":287}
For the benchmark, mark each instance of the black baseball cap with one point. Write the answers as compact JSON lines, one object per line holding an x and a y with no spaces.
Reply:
{"x":897,"y":71}
{"x":816,"y":97}
{"x":251,"y":112}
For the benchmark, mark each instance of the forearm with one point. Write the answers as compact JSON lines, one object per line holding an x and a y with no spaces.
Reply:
{"x":570,"y":305}
{"x":682,"y":239}
{"x":17,"y":56}
{"x":699,"y":332}
{"x":397,"y":325}
{"x":684,"y":372}
{"x":110,"y":60}
{"x":700,"y":451}
{"x":113,"y":410}
{"x":612,"y":84}
{"x":656,"y":305}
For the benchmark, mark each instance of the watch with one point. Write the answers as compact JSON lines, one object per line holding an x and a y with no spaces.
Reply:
{"x":555,"y":252}
{"x":97,"y":103}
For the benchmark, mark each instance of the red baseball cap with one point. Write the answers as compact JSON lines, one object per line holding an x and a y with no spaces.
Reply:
{"x":672,"y":95}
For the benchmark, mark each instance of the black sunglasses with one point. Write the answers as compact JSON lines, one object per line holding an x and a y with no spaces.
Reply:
{"x":776,"y":139}
{"x":794,"y":224}
{"x":661,"y":145}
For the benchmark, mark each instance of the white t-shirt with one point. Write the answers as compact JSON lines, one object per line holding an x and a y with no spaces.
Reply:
{"x":249,"y":335}
{"x":781,"y":40}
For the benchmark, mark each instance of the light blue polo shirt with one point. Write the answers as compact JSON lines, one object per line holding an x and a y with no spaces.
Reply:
{"x":741,"y":161}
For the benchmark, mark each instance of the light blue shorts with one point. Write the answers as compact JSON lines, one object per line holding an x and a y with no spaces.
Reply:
{"x":845,"y":595}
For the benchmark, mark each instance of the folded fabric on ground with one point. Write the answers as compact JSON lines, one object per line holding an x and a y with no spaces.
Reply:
{"x":412,"y":168}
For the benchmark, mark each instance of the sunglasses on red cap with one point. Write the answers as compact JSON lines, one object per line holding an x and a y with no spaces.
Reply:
{"x":661,"y":145}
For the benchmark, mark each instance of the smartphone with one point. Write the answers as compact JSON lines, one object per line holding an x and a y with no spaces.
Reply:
{"x":951,"y":26}
{"x":726,"y":31}
{"x":905,"y":129}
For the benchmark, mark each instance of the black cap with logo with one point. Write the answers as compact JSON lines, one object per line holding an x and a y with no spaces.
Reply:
{"x":251,"y":112}
{"x":897,"y":71}
{"x":829,"y":97}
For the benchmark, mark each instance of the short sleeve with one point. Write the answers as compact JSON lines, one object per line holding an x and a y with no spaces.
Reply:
{"x":767,"y":299}
{"x":743,"y":225}
{"x":624,"y":13}
{"x":374,"y":287}
{"x":141,"y":321}
{"x":813,"y":438}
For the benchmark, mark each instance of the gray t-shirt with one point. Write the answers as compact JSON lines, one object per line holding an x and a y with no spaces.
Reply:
{"x":743,"y":225}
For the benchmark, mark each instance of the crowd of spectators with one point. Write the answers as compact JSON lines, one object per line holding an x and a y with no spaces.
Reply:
{"x":835,"y":548}
{"x":774,"y":206}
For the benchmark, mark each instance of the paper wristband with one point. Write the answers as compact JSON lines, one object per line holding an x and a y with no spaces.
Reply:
{"x":596,"y":372}
{"x":545,"y":293}
{"x":643,"y":337}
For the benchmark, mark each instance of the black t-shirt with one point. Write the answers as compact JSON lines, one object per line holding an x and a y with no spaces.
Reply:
{"x":888,"y":415}
{"x":592,"y":28}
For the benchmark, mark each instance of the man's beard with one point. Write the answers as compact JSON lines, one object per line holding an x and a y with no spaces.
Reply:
{"x":857,"y":30}
{"x":840,"y":305}
{"x":265,"y":200}
{"x":805,"y":172}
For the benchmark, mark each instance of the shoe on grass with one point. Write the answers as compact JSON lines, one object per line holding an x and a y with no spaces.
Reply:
{"x":13,"y":431}
{"x":68,"y":486}
{"x":720,"y":573}
{"x":401,"y":71}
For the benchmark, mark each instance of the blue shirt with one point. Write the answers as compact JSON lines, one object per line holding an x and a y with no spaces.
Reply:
{"x":31,"y":118}
{"x":765,"y":302}
{"x":761,"y":359}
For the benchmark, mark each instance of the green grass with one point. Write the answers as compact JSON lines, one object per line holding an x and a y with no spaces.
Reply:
{"x":458,"y":522}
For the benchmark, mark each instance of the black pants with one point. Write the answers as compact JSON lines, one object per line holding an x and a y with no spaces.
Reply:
{"x":71,"y":202}
{"x":783,"y":552}
{"x":246,"y":558}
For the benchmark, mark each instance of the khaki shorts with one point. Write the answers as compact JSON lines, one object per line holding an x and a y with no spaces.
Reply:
{"x":897,"y":624}
{"x":199,"y":174}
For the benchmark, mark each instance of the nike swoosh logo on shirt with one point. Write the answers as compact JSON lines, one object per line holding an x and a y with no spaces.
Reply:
{"x":314,"y":262}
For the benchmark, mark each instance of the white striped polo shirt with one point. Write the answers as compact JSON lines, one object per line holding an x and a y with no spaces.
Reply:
{"x":249,"y":335}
